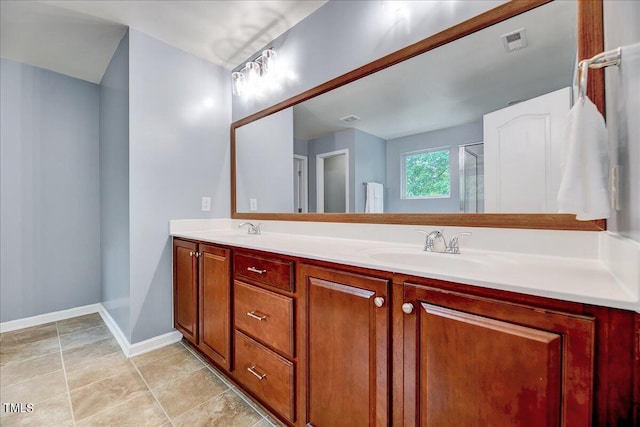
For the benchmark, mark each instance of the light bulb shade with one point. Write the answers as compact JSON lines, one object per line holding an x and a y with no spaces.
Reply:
{"x":268,"y":61}
{"x":238,"y":83}
{"x":253,"y":70}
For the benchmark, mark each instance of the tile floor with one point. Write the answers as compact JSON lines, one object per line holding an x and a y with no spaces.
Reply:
{"x":74,"y":374}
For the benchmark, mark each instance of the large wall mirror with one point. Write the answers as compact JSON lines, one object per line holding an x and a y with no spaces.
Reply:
{"x":463,"y":128}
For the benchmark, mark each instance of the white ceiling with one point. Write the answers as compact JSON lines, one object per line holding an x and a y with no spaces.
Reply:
{"x":455,"y":84}
{"x":79,"y":37}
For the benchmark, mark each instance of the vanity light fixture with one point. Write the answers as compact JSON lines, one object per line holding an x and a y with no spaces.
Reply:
{"x":250,"y":79}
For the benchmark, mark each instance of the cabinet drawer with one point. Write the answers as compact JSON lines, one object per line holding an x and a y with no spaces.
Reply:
{"x":268,"y":375}
{"x":270,"y":271}
{"x":265,"y":315}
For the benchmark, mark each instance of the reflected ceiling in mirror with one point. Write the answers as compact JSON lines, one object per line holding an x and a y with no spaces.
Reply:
{"x":376,"y":128}
{"x":454,"y":84}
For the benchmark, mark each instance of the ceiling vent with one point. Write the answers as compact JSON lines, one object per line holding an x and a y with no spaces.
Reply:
{"x":514,"y":40}
{"x":350,"y":119}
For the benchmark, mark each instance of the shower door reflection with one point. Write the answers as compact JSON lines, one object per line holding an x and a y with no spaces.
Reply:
{"x":472,"y":178}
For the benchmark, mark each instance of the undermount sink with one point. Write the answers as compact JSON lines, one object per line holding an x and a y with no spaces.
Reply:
{"x":418,"y":258}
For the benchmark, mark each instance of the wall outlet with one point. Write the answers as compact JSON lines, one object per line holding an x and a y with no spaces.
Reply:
{"x":206,"y":204}
{"x":253,"y":204}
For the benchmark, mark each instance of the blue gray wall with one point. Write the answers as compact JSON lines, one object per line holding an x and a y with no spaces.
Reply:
{"x":179,"y":115}
{"x":114,"y":187}
{"x":300,"y":147}
{"x":346,"y":34}
{"x":49,"y":192}
{"x":342,"y":140}
{"x":450,"y":137}
{"x":366,"y":162}
{"x":370,"y":165}
{"x":623,"y":109}
{"x":264,"y":154}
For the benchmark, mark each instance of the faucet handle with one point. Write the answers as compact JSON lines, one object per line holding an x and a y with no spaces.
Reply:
{"x":454,"y":247}
{"x":257,"y":229}
{"x":252,"y":229}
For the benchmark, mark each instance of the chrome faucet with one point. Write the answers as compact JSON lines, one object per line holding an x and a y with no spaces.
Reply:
{"x":453,"y":247}
{"x":430,"y":244}
{"x":436,"y":242}
{"x":252,"y":229}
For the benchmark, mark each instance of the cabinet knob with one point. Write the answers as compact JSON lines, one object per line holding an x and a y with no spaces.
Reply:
{"x":197,"y":254}
{"x":407,"y":307}
{"x":378,"y":301}
{"x":190,"y":253}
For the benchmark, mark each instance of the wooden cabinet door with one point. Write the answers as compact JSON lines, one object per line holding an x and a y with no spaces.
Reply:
{"x":185,"y":289}
{"x":476,"y":361}
{"x":215,"y":304}
{"x":346,"y":352}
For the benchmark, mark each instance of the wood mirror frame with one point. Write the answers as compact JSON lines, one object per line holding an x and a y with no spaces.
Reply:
{"x":590,"y":40}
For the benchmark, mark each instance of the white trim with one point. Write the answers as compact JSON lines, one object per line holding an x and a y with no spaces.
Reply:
{"x":320,"y":178}
{"x":117,"y":333}
{"x":55,"y":316}
{"x":141,"y":347}
{"x":128,"y":349}
{"x":305,"y":182}
{"x":154,"y":343}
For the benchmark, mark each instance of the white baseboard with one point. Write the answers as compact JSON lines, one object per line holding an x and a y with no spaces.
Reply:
{"x":56,"y":316}
{"x":128,"y":349}
{"x":154,"y":343}
{"x":141,"y":347}
{"x":117,"y":333}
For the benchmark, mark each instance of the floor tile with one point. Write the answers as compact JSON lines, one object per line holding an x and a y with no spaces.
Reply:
{"x":145,"y":358}
{"x":262,"y":423}
{"x":54,"y":412}
{"x":98,"y":396}
{"x":80,"y":323}
{"x":83,"y":337}
{"x":142,"y":410}
{"x":75,"y":374}
{"x":28,"y":335}
{"x":98,"y":369}
{"x":94,"y":350}
{"x":14,"y":373}
{"x":35,"y":390}
{"x":169,"y":368}
{"x":188,"y":391}
{"x":226,"y":410}
{"x":21,"y":352}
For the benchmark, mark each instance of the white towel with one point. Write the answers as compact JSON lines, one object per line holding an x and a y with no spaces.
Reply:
{"x":584,"y":187}
{"x":375,"y":198}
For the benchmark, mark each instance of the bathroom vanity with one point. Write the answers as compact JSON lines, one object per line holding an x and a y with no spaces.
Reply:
{"x":351,"y":330}
{"x":321,"y":342}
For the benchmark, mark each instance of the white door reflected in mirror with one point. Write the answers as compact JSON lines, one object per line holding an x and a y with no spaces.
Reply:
{"x":523,"y":146}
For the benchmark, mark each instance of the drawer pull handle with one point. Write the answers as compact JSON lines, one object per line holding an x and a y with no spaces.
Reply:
{"x":256,"y":316}
{"x":255,"y":270}
{"x":258,"y":375}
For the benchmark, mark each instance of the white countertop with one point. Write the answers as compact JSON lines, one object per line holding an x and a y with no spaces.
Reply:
{"x":584,"y":280}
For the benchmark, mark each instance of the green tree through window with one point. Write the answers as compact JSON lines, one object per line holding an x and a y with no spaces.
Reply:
{"x":427,"y":174}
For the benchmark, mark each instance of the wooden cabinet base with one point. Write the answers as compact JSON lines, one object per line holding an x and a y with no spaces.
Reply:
{"x":323,"y":345}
